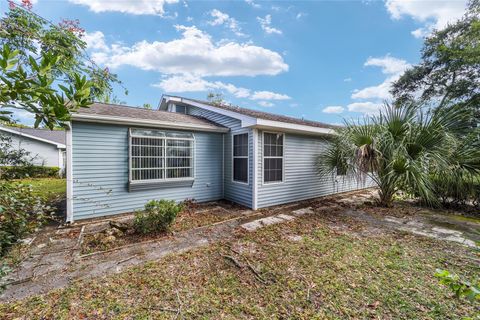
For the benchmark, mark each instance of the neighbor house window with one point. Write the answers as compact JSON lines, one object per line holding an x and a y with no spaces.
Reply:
{"x":159,"y":156}
{"x":240,"y":157}
{"x":272,"y":157}
{"x":180,"y":109}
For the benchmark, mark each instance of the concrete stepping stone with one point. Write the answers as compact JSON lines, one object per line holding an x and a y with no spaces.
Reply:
{"x":303,"y":211}
{"x":259,"y":223}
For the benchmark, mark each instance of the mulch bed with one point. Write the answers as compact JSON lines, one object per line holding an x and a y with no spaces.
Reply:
{"x":195,"y":216}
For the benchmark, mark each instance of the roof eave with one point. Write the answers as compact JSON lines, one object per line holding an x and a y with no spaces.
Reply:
{"x":58,"y":145}
{"x":145,"y":122}
{"x":291,"y":127}
{"x":251,"y":122}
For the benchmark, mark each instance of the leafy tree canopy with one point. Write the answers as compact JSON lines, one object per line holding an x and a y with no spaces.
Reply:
{"x":449,"y":71}
{"x":44,"y":68}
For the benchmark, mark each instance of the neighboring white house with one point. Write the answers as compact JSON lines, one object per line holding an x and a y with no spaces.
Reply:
{"x":46,"y":146}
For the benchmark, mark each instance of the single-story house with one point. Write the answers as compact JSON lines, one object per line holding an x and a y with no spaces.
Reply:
{"x":121,"y":157}
{"x":47,"y":147}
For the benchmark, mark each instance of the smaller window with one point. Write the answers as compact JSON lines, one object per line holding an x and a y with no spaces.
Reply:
{"x":180,"y":109}
{"x":240,"y":157}
{"x":272,"y":157}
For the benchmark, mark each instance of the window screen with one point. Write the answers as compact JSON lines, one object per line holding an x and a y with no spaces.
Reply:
{"x":157,"y":155}
{"x":240,"y":157}
{"x":272,"y":157}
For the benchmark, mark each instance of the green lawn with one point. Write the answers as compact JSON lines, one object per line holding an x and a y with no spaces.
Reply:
{"x":328,"y":273}
{"x":48,"y":188}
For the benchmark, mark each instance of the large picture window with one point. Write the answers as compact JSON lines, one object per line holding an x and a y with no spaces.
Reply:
{"x":272,"y":157}
{"x":240,"y":157}
{"x":159,"y":156}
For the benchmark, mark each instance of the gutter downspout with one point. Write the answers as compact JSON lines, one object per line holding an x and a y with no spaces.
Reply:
{"x":69,"y":168}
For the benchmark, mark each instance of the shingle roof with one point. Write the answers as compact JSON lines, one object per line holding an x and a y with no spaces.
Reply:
{"x":265,"y":115}
{"x":57,"y":136}
{"x":113,"y":110}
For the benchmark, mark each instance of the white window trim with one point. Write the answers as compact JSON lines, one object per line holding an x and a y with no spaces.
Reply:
{"x":282,"y":157}
{"x":165,"y":168}
{"x":248,"y":157}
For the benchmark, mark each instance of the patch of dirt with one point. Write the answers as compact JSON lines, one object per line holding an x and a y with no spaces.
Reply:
{"x":104,"y":237}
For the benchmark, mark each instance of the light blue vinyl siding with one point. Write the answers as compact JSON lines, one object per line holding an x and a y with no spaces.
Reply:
{"x":233,"y":191}
{"x":301,"y":180}
{"x":100,"y":172}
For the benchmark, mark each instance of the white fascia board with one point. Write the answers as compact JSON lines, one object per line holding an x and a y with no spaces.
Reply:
{"x":145,"y":122}
{"x":248,"y":121}
{"x":292,"y":127}
{"x":59,"y":145}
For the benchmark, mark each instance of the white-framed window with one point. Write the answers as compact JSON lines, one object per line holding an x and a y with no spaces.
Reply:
{"x":273,"y":161}
{"x":240,"y":157}
{"x":157,"y":155}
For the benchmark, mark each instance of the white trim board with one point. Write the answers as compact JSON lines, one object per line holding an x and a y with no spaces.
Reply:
{"x":69,"y":173}
{"x":59,"y":145}
{"x":250,"y":121}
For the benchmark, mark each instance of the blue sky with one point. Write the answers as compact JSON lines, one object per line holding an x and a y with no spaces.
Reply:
{"x":321,"y":60}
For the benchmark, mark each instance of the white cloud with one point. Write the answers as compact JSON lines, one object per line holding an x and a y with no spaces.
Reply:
{"x":300,"y":15}
{"x":190,"y":83}
{"x":365,"y":107}
{"x":95,"y":41}
{"x":333,"y":109}
{"x":137,"y":7}
{"x":434,"y":14}
{"x":221,"y":18}
{"x":195,"y":53}
{"x":253,"y":4}
{"x":266,"y":104}
{"x":266,"y":22}
{"x":390,"y":66}
{"x":268,"y":95}
{"x":347,"y":79}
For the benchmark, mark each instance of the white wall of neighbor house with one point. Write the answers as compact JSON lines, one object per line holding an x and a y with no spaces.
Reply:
{"x":45,"y":154}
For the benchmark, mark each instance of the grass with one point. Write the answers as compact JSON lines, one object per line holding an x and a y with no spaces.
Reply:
{"x":329,"y":273}
{"x":48,"y":188}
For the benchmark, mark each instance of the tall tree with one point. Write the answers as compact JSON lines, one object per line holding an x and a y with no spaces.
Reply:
{"x":44,"y":68}
{"x":449,"y":71}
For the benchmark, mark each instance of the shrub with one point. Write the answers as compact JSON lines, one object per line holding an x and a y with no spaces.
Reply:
{"x":157,"y":216}
{"x":21,"y":212}
{"x":21,"y":172}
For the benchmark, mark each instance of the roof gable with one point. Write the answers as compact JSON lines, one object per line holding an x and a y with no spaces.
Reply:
{"x":254,"y":118}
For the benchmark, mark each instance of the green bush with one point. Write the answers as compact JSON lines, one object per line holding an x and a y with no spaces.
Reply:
{"x":21,"y":212}
{"x":21,"y":172}
{"x":157,"y":216}
{"x":456,"y":189}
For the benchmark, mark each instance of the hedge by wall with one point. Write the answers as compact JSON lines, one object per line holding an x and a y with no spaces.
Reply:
{"x":21,"y":172}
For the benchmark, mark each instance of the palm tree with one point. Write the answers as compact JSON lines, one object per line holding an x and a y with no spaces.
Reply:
{"x":398,"y":149}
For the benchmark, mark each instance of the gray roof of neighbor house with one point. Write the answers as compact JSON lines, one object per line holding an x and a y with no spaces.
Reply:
{"x":120,"y":111}
{"x":56,"y":136}
{"x":263,"y":115}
